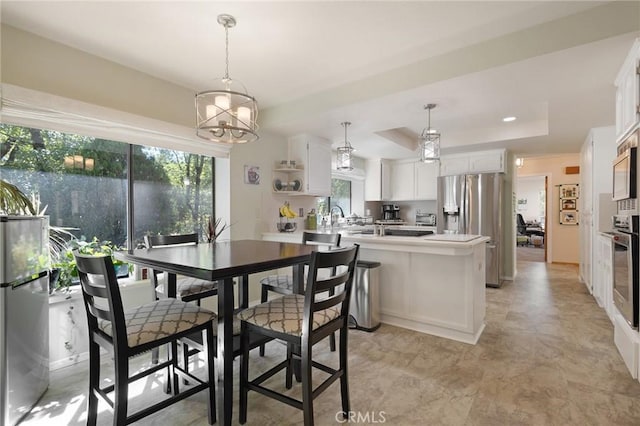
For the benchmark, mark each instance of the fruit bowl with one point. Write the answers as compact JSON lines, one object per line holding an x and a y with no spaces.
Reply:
{"x":287,"y":226}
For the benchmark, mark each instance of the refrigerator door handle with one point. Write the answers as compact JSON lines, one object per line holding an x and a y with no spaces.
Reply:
{"x":24,"y":281}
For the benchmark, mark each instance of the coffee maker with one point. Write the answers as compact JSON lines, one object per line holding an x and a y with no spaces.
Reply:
{"x":390,"y":212}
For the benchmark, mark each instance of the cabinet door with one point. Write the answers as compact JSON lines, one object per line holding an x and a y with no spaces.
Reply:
{"x":402,"y":181}
{"x":373,"y":181}
{"x":629,"y":97}
{"x":454,"y":166}
{"x":628,"y":93}
{"x":426,"y":176}
{"x":487,"y":162}
{"x":318,"y":168}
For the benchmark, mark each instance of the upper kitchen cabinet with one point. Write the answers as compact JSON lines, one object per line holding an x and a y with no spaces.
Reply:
{"x":376,"y":181}
{"x":628,"y":93}
{"x":492,"y":161}
{"x":411,"y":180}
{"x":426,"y":176}
{"x":315,"y":154}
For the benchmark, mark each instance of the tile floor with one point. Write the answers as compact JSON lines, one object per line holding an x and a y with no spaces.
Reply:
{"x":546,"y":357}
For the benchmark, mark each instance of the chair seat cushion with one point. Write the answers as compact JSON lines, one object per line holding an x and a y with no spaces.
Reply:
{"x":160,"y":319}
{"x":285,"y":314}
{"x":284,"y":282}
{"x":190,"y":286}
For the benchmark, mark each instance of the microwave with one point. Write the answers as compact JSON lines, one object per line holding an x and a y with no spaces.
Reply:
{"x":624,"y":175}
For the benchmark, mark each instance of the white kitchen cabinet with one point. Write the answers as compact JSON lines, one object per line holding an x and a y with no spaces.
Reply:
{"x":628,"y":93}
{"x":454,"y":165}
{"x":492,"y":161}
{"x":603,"y":277}
{"x":596,"y":205}
{"x":411,"y":180}
{"x":377,"y":179}
{"x":426,"y":177}
{"x":402,"y":181}
{"x":487,"y":161}
{"x":315,"y":154}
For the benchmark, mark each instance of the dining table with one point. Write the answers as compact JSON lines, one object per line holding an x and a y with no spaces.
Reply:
{"x":223,"y":261}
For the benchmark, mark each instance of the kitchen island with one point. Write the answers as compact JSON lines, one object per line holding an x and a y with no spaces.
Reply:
{"x":434,"y":284}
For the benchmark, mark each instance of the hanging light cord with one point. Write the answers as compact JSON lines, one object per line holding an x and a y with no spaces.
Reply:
{"x":226,"y":49}
{"x":346,"y":142}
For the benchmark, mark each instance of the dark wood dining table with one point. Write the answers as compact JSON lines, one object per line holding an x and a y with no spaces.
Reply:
{"x":222,"y":262}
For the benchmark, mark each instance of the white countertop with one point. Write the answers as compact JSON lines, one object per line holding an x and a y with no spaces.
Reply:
{"x":444,"y":244}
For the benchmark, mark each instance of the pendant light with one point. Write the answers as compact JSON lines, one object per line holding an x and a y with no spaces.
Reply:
{"x":344,"y":157}
{"x":227,"y":114}
{"x":429,"y":140}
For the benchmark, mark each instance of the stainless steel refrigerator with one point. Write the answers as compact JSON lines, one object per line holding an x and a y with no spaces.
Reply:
{"x":24,"y":315}
{"x":472,"y":204}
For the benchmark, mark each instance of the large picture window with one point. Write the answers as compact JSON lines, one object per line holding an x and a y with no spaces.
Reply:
{"x":82,"y":181}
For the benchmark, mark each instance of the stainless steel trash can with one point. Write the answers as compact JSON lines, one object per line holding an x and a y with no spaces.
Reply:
{"x":364,"y":309}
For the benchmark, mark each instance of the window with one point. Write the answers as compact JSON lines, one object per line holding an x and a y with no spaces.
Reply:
{"x":83,"y":183}
{"x":340,"y":197}
{"x":173,"y":192}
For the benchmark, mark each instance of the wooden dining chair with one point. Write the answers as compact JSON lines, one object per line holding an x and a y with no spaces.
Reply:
{"x":187,"y":289}
{"x":302,"y":321}
{"x":283,"y":284}
{"x":126,"y":334}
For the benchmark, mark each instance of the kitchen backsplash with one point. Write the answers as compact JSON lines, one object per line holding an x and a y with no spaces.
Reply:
{"x":408,"y":209}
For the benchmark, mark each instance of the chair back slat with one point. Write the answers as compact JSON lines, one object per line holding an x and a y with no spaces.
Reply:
{"x":101,"y":295}
{"x":332,"y":240}
{"x":322,"y":304}
{"x":343,"y":260}
{"x":152,"y":241}
{"x":167,"y":240}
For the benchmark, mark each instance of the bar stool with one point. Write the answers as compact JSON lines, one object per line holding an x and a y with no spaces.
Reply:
{"x":302,"y":321}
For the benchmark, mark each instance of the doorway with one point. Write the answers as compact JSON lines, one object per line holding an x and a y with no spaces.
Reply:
{"x":531,"y":215}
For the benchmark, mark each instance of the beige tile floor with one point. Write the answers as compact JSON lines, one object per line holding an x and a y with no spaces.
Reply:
{"x":546,"y":357}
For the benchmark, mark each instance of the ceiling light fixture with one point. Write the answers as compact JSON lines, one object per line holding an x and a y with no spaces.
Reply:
{"x":227,"y":114}
{"x":429,"y":140}
{"x":508,"y":119}
{"x":344,"y":157}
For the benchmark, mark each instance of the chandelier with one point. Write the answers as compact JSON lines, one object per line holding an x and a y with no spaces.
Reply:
{"x":227,"y":114}
{"x":429,"y":140}
{"x":343,"y":160}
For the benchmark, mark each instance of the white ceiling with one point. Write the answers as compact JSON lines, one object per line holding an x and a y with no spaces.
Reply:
{"x":312,"y":65}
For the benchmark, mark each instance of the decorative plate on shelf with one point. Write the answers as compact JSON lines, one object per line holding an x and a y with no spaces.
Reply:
{"x":277,"y":185}
{"x":296,"y":185}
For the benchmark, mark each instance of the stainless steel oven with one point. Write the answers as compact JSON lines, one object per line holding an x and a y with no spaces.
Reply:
{"x":625,"y":267}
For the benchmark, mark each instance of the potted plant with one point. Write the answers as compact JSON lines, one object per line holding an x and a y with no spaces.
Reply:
{"x":66,"y":263}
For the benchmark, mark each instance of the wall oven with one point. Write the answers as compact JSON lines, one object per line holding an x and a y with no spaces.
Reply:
{"x":625,"y":267}
{"x":625,"y":175}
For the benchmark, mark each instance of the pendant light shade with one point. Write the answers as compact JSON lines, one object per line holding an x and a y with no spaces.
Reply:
{"x":429,"y":140}
{"x":344,"y":157}
{"x":227,"y":114}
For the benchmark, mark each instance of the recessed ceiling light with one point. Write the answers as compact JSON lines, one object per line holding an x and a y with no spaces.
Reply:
{"x":508,"y":119}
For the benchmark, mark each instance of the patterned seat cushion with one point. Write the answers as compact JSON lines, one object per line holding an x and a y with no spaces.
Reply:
{"x":160,"y":319}
{"x":285,"y":314}
{"x":189,"y":286}
{"x":278,"y":281}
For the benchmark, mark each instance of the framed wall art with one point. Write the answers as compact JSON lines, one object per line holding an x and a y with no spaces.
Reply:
{"x":252,"y":175}
{"x":569,"y":195}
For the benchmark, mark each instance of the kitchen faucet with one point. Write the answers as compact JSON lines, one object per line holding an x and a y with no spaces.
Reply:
{"x":331,"y":213}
